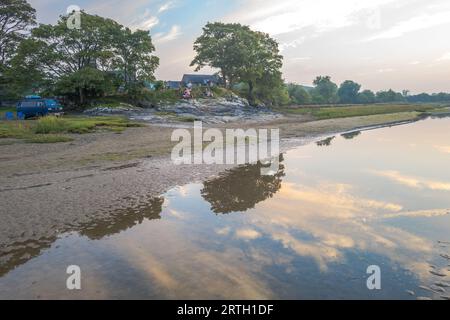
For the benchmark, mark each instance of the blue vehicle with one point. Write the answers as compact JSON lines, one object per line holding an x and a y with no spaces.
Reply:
{"x":35,"y":106}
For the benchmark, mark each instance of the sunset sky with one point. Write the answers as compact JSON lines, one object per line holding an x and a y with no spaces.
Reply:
{"x":398,"y":44}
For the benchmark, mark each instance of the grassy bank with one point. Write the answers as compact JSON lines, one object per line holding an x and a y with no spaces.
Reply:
{"x":334,"y":112}
{"x":52,"y":129}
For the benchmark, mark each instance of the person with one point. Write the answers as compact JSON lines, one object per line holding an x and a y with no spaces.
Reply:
{"x":187,"y":94}
{"x":208,"y":93}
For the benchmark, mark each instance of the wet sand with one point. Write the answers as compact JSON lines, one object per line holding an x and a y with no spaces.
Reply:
{"x":48,"y":190}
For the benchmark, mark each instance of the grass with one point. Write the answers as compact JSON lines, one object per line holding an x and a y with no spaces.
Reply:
{"x":48,"y":138}
{"x":185,"y":119}
{"x":52,"y":129}
{"x":80,"y":125}
{"x":333,"y":112}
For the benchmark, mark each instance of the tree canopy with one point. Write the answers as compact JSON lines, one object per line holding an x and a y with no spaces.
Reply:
{"x":99,"y":57}
{"x":325,"y":90}
{"x":348,"y":92}
{"x":16,"y":19}
{"x":241,"y":55}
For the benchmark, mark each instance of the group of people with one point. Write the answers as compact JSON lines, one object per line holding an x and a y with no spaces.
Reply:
{"x":188,"y":94}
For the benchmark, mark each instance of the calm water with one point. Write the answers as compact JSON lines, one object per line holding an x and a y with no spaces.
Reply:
{"x":335,"y":207}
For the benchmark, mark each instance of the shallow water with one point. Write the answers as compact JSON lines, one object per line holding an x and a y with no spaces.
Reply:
{"x":334,"y":208}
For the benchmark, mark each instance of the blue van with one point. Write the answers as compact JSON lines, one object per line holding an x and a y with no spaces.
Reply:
{"x":35,"y":106}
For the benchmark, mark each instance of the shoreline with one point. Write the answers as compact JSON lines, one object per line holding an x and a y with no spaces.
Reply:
{"x":38,"y":207}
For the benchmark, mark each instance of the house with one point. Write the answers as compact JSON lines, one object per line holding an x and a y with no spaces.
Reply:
{"x":173,"y":84}
{"x":200,"y":80}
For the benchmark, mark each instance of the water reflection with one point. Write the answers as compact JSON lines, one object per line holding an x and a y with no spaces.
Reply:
{"x":309,"y":232}
{"x":241,"y":189}
{"x":113,"y":222}
{"x":15,"y":254}
{"x":123,"y":219}
{"x":351,"y":135}
{"x":326,"y":142}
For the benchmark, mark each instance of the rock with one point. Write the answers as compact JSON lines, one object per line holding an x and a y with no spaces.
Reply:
{"x":445,"y":256}
{"x":410,"y":292}
{"x":445,"y":297}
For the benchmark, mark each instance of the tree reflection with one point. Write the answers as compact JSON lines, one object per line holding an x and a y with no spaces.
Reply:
{"x":325,"y":143}
{"x":124,"y":219}
{"x":351,"y":135}
{"x":15,"y":254}
{"x":242,"y":188}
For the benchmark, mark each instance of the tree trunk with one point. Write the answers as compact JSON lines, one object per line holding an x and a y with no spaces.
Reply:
{"x":251,"y":99}
{"x":81,"y":93}
{"x":224,"y":79}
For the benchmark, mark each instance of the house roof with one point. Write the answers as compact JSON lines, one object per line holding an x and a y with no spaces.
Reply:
{"x":199,"y":78}
{"x":173,"y":84}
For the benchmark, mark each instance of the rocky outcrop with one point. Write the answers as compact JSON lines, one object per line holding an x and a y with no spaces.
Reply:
{"x":208,"y":110}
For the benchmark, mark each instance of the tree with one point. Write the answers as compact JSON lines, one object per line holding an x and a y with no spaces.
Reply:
{"x":298,"y":94}
{"x":366,"y":97}
{"x":220,"y":47}
{"x":241,"y":54}
{"x":261,"y":62}
{"x":24,"y":75}
{"x":389,"y":96}
{"x":16,"y":19}
{"x":133,"y":55}
{"x":325,"y":90}
{"x":348,"y":92}
{"x":85,"y":59}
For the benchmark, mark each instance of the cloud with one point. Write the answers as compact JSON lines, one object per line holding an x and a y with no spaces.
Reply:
{"x":167,"y":6}
{"x":443,"y":149}
{"x":445,"y":57}
{"x":247,"y":234}
{"x":421,"y":22}
{"x":146,"y":21}
{"x":414,"y":182}
{"x":322,"y":15}
{"x":173,"y":34}
{"x":386,"y":70}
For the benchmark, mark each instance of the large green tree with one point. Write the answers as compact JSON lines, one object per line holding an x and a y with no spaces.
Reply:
{"x":367,"y":96}
{"x":81,"y":61}
{"x":348,"y":92}
{"x":133,"y":56}
{"x":16,"y":19}
{"x":325,"y":90}
{"x":220,"y":46}
{"x":298,"y":94}
{"x":242,"y":55}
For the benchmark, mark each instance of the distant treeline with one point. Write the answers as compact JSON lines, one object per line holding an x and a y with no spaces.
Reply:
{"x":349,"y":92}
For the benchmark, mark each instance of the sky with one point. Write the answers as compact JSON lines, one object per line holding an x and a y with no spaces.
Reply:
{"x":382,"y":44}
